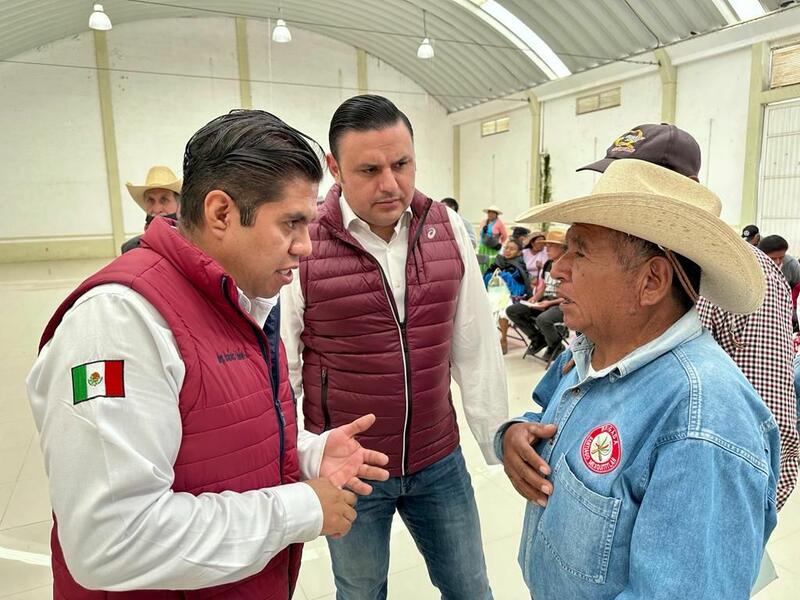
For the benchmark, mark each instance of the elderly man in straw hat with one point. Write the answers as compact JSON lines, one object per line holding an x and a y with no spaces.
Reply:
{"x":759,"y":343}
{"x":651,"y":470}
{"x":158,"y":197}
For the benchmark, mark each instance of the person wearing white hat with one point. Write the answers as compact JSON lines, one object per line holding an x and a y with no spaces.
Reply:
{"x":158,"y":197}
{"x":651,"y":471}
{"x":493,"y":235}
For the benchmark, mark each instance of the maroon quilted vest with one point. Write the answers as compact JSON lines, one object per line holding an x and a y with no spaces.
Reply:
{"x":236,"y":435}
{"x":359,"y":359}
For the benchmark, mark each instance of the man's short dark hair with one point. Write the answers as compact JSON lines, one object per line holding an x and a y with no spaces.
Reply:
{"x":364,"y":113}
{"x":451,"y":202}
{"x":249,"y":154}
{"x":773,"y":243}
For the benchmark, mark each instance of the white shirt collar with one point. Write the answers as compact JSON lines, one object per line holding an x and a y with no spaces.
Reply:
{"x":351,"y":220}
{"x":258,"y":308}
{"x":682,"y":330}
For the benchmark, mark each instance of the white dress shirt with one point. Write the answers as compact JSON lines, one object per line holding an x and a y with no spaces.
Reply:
{"x":475,"y":356}
{"x":110,"y":461}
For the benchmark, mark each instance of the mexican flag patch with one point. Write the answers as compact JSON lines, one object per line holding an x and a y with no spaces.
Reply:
{"x":104,"y":378}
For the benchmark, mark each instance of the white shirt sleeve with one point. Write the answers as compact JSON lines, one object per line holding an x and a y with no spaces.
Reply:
{"x":110,"y":464}
{"x":475,"y":356}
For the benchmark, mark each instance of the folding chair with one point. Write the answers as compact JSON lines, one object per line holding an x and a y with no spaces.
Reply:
{"x":563,"y":332}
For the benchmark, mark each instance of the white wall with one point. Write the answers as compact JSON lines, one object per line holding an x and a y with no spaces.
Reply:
{"x":433,"y":136}
{"x":496,"y":169}
{"x":576,"y":140}
{"x":712,"y":105}
{"x":52,"y":161}
{"x":305,"y":93}
{"x":302,"y":92}
{"x":51,"y":158}
{"x":155,"y":115}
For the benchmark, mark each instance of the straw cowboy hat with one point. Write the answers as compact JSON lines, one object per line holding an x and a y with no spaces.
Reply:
{"x":556,"y":236}
{"x":675,"y":212}
{"x":157,"y":177}
{"x":493,"y":208}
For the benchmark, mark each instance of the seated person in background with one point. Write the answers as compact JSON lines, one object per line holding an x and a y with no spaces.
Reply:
{"x":512,"y":269}
{"x":452,"y":204}
{"x":158,"y":197}
{"x":651,"y":470}
{"x":538,"y":318}
{"x":776,"y":247}
{"x":534,"y":253}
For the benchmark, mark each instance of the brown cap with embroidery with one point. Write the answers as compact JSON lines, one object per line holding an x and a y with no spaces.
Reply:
{"x":661,"y":144}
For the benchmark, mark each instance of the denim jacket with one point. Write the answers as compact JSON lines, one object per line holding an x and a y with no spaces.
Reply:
{"x":664,"y":475}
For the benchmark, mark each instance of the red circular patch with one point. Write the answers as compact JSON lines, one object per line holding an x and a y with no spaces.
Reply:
{"x":601,"y":449}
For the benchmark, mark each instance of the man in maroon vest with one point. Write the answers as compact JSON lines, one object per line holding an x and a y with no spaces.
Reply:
{"x":390,"y":299}
{"x":167,"y":421}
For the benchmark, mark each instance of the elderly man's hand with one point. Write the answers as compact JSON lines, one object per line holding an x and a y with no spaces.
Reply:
{"x":344,"y":460}
{"x":524,"y":467}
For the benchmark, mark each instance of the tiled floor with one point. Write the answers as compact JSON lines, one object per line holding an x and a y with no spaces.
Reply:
{"x":30,"y":293}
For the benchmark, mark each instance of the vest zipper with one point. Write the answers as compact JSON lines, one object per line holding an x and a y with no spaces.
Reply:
{"x":409,"y":404}
{"x":401,"y":331}
{"x":275,"y":399}
{"x":273,"y":385}
{"x":324,"y":393}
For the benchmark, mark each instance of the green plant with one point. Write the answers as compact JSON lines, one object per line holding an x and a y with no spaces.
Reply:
{"x":545,"y":184}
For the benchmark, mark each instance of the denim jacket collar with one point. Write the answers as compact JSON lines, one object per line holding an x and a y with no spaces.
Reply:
{"x":682,"y":330}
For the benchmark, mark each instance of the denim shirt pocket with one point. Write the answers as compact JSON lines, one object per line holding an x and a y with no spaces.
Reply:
{"x":577,"y":526}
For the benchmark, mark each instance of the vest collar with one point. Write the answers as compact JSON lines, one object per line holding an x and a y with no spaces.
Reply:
{"x":205,"y":273}
{"x":332,"y":219}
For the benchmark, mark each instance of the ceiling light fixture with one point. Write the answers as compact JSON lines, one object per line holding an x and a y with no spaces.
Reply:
{"x":280,"y":32}
{"x":98,"y":19}
{"x":425,"y":50}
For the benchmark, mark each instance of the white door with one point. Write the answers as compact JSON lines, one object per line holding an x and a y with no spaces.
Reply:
{"x":779,"y":189}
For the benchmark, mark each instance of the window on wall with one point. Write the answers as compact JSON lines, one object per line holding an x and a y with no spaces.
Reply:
{"x":494,"y":126}
{"x":785,"y":66}
{"x":598,"y":101}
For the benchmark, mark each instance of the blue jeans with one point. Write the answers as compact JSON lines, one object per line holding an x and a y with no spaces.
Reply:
{"x":437,"y":505}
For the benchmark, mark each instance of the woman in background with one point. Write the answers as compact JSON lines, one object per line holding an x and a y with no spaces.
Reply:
{"x":493,"y":235}
{"x":534,"y":254}
{"x":509,"y":266}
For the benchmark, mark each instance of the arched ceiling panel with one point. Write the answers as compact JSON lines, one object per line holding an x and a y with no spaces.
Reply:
{"x":474,"y":61}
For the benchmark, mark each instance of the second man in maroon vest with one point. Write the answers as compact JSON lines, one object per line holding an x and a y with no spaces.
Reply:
{"x":389,"y":304}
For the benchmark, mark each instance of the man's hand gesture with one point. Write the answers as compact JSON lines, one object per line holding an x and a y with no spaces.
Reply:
{"x":525,"y":468}
{"x":345,"y":461}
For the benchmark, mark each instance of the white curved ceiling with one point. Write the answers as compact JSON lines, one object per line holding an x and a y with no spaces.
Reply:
{"x":476,"y":60}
